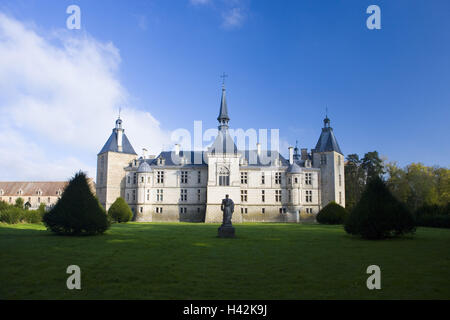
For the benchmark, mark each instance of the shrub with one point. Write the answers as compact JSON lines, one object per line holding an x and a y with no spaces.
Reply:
{"x":78,"y":212}
{"x":433,"y":216}
{"x":32,"y":216}
{"x":11,"y":215}
{"x":332,"y":213}
{"x":19,"y":203}
{"x":120,"y":211}
{"x":3,"y":205}
{"x":378,"y":214}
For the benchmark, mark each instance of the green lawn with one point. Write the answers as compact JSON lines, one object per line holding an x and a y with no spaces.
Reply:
{"x":187,"y":261}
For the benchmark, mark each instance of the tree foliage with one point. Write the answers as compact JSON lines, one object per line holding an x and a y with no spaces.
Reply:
{"x":78,"y":212}
{"x":378,"y":214}
{"x":332,"y":213}
{"x":120,"y":211}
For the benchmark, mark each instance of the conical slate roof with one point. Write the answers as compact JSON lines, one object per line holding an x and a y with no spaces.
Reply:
{"x":327,"y":141}
{"x":111,"y":144}
{"x":144,"y":167}
{"x":294,"y":168}
{"x":223,"y":113}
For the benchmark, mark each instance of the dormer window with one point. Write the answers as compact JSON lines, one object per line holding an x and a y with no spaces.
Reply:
{"x":20,"y":192}
{"x":161,"y":161}
{"x":39,"y":192}
{"x":1,"y":192}
{"x":58,"y":193}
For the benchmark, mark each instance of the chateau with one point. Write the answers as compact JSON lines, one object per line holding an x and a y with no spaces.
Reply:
{"x":190,"y":185}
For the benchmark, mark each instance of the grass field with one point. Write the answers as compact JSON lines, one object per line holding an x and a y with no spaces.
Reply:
{"x":187,"y":261}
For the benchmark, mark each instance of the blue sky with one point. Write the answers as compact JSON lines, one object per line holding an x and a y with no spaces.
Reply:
{"x":385,"y":90}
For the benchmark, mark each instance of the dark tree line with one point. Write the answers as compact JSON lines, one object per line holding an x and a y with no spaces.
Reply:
{"x":416,"y":185}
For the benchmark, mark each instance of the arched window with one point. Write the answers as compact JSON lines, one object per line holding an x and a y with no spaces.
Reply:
{"x":224,"y":176}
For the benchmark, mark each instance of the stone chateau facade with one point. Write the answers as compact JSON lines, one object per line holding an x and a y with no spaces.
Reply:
{"x":190,"y":185}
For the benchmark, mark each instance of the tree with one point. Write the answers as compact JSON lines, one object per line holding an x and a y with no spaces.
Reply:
{"x":354,"y":180}
{"x":19,"y":203}
{"x":398,"y":182}
{"x":120,"y":211}
{"x":379,"y":214}
{"x":78,"y":212}
{"x":372,"y":165}
{"x":332,"y":213}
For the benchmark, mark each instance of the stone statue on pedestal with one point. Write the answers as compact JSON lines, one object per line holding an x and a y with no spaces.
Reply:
{"x":226,"y":230}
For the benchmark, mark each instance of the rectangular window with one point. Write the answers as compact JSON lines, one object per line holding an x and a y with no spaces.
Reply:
{"x":134,"y":195}
{"x":340,"y":197}
{"x":128,"y":180}
{"x":159,"y":195}
{"x":183,"y":195}
{"x":263,"y":196}
{"x":263,"y":178}
{"x":184,"y":177}
{"x":323,"y":159}
{"x":160,"y":177}
{"x":48,"y":200}
{"x":243,"y":210}
{"x":141,"y":209}
{"x":277,"y":195}
{"x":128,"y":196}
{"x":295,"y":180}
{"x":244,"y":177}
{"x":263,"y":210}
{"x":308,"y":178}
{"x":142,"y":179}
{"x":308,"y":196}
{"x":183,"y":209}
{"x":277,"y":177}
{"x":199,"y":177}
{"x":243,"y":195}
{"x":134,"y":178}
{"x":224,"y":180}
{"x":340,"y":180}
{"x":289,"y":194}
{"x":309,"y":210}
{"x":198,"y":195}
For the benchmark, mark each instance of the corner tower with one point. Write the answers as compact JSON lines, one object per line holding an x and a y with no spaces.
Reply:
{"x":111,"y":160}
{"x":329,"y":158}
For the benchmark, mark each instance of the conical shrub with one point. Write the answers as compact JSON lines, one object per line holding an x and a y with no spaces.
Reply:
{"x":120,"y":211}
{"x":378,"y":214}
{"x":78,"y":212}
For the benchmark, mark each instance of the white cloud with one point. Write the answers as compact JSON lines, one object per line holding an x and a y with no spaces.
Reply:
{"x":59,"y":97}
{"x":233,"y":18}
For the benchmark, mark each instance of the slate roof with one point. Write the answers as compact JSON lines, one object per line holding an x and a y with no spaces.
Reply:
{"x":223,"y":113}
{"x":197,"y":158}
{"x":327,"y":141}
{"x":294,"y":168}
{"x":111,"y":144}
{"x":224,"y":143}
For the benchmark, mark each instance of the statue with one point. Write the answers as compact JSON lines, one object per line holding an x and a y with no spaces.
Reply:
{"x":226,"y":230}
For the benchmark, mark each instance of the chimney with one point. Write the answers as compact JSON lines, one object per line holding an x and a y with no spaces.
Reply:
{"x":291,"y":155}
{"x":177,"y":149}
{"x":144,"y":153}
{"x":304,"y":152}
{"x":258,"y":148}
{"x":119,"y":140}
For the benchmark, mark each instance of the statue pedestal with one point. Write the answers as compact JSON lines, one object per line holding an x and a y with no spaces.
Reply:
{"x":226,"y":232}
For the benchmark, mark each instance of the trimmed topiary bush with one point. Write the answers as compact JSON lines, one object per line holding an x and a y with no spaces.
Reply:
{"x":378,"y":214}
{"x":120,"y":211}
{"x":332,"y":213}
{"x":78,"y":212}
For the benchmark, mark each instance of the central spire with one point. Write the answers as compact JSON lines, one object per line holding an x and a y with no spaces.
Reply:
{"x":223,"y":117}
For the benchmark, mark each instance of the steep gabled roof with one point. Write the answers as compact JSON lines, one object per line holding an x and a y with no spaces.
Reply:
{"x":223,"y":113}
{"x":111,"y":144}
